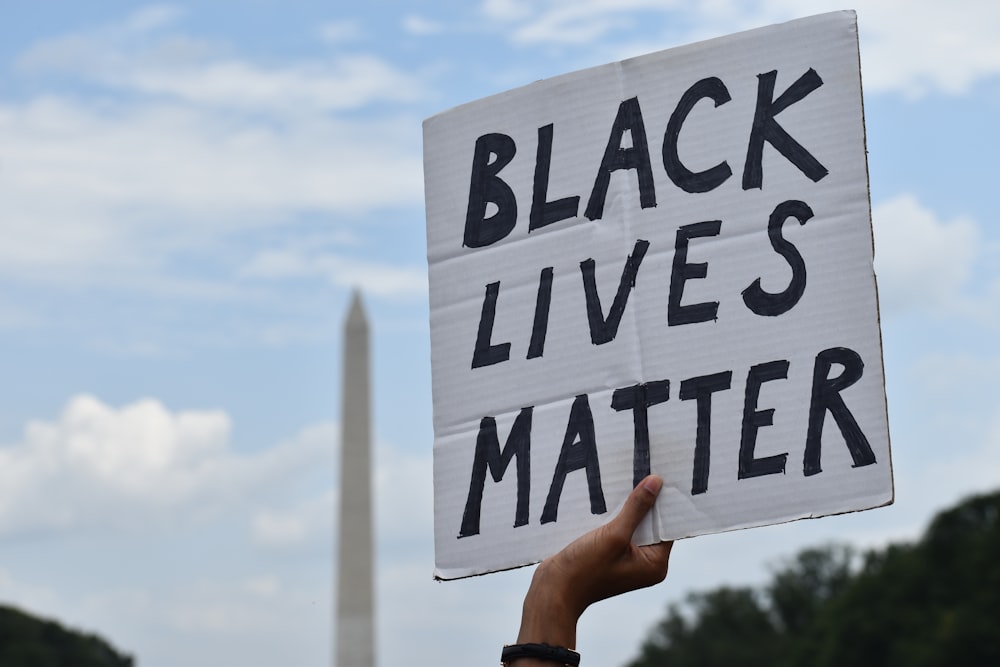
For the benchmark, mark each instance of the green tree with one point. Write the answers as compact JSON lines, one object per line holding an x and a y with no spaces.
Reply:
{"x":799,"y":590}
{"x":27,"y":641}
{"x":932,"y":603}
{"x":936,"y":602}
{"x":692,"y":639}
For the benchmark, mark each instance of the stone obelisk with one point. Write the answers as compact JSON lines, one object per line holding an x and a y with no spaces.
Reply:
{"x":355,"y":588}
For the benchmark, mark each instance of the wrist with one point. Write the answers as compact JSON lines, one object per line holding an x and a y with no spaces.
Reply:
{"x":548,"y":616}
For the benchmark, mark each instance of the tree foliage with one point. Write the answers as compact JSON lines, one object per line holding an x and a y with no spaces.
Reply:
{"x":27,"y":641}
{"x":934,"y":602}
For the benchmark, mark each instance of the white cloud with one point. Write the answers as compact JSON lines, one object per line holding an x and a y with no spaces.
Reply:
{"x":40,"y":598}
{"x":154,"y":505}
{"x":377,"y":278}
{"x":337,"y":32}
{"x":404,"y":497}
{"x":418,"y":25}
{"x":922,"y":262}
{"x":264,"y":586}
{"x":574,"y":22}
{"x":927,"y":47}
{"x":89,"y":190}
{"x":968,"y":468}
{"x":152,"y":17}
{"x":188,"y":145}
{"x":275,"y":528}
{"x":13,"y":316}
{"x":507,"y":10}
{"x":913,"y":47}
{"x":194,"y":71}
{"x":260,"y":620}
{"x":350,"y":82}
{"x":100,"y":50}
{"x":296,"y":525}
{"x":139,"y":466}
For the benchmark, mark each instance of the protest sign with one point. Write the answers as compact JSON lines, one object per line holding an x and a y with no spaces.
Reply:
{"x":662,"y":264}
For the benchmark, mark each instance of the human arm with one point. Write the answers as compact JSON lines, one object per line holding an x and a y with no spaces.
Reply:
{"x":598,"y":565}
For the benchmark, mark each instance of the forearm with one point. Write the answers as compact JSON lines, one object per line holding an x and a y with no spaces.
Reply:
{"x":547,"y":616}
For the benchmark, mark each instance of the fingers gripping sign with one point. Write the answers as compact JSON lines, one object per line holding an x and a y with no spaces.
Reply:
{"x":600,"y":564}
{"x":605,"y":562}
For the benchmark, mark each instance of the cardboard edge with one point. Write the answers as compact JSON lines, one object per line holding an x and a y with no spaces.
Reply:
{"x":871,"y":228}
{"x":454,"y":574}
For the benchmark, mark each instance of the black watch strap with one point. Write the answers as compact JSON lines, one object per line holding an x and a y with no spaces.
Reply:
{"x":563,"y":656}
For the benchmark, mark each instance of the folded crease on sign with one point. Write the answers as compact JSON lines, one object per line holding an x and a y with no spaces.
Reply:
{"x":654,"y":515}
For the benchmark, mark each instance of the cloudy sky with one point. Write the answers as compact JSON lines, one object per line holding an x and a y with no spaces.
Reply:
{"x":189,"y":191}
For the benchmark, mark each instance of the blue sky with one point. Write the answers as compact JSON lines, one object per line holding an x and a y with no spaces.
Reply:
{"x":189,"y":191}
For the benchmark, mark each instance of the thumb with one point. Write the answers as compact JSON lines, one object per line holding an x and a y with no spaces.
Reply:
{"x":638,"y":503}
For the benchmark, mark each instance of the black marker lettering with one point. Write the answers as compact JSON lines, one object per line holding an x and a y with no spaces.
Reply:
{"x":604,"y":329}
{"x":681,"y":271}
{"x":629,"y":119}
{"x":754,"y":419}
{"x":766,"y":128}
{"x":486,"y":188}
{"x":826,"y":396}
{"x":489,"y":457}
{"x":684,"y":178}
{"x":545,"y":212}
{"x":487,"y":354}
{"x":702,"y":388}
{"x":755,"y":297}
{"x":638,"y":398}
{"x":541,"y":324}
{"x":579,"y":450}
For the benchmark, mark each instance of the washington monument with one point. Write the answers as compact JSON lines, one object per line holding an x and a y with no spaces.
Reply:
{"x":355,"y":588}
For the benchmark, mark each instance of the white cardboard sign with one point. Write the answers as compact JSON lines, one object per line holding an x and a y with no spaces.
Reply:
{"x":662,"y":264}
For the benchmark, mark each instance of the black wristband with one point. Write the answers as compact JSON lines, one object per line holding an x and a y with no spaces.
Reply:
{"x":563,"y":656}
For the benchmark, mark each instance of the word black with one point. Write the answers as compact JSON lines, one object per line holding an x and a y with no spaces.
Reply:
{"x":494,"y":151}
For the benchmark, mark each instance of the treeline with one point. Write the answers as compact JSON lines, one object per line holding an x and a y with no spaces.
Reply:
{"x":935,"y":602}
{"x":27,"y":641}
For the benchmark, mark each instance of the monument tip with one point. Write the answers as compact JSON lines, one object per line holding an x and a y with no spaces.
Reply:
{"x":356,"y":312}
